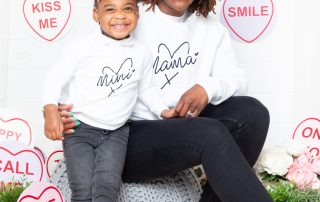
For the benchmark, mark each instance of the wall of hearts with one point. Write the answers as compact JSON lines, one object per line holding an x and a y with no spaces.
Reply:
{"x":276,"y":43}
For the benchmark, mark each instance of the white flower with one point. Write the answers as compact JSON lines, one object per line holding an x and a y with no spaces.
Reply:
{"x":294,"y":148}
{"x":258,"y":167}
{"x":275,"y":161}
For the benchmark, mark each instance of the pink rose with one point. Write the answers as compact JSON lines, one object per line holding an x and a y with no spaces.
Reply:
{"x":302,"y":176}
{"x":315,"y":184}
{"x":315,"y":163}
{"x":304,"y":159}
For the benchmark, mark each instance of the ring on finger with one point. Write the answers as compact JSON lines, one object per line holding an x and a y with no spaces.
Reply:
{"x":189,"y":114}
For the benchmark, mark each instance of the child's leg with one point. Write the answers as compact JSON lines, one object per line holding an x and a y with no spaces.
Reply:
{"x":79,"y":157}
{"x":109,"y":161}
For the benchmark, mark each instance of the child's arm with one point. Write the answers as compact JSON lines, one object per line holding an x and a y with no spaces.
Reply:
{"x":59,"y":75}
{"x":53,"y":127}
{"x":55,"y":79}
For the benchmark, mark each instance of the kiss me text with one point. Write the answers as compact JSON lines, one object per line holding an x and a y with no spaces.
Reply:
{"x":46,"y":7}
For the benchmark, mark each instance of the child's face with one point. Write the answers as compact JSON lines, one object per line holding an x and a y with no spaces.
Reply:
{"x":174,"y":7}
{"x":117,"y":18}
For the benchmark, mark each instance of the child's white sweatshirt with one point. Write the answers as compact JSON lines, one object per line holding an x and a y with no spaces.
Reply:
{"x":102,"y":78}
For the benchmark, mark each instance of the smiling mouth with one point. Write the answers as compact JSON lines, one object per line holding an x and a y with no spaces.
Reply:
{"x":120,"y":26}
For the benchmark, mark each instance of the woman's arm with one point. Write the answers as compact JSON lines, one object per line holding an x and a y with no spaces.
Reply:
{"x":225,"y":79}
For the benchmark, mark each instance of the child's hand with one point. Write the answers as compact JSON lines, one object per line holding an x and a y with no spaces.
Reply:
{"x":169,"y":113}
{"x":53,"y":127}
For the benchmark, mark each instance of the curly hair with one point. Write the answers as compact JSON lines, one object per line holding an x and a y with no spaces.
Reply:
{"x":200,"y":7}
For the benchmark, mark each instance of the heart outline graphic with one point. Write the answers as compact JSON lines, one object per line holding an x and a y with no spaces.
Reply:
{"x":312,"y":145}
{"x":306,"y":120}
{"x":181,"y":45}
{"x":40,"y":35}
{"x":43,"y":191}
{"x":122,"y":77}
{"x":48,"y":159}
{"x":124,"y":62}
{"x":22,"y":151}
{"x":19,"y":119}
{"x":40,"y":152}
{"x":239,"y":35}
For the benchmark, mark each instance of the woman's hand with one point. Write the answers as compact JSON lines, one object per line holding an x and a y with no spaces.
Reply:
{"x":68,"y":120}
{"x":53,"y":126}
{"x":192,"y":102}
{"x":168,"y":113}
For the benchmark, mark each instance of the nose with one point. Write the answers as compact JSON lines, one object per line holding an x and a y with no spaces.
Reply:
{"x":120,"y":14}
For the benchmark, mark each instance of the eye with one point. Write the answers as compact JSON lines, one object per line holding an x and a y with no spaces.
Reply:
{"x":128,"y":9}
{"x":110,"y":10}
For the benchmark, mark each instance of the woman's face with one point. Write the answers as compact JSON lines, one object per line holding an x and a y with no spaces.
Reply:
{"x":174,"y":7}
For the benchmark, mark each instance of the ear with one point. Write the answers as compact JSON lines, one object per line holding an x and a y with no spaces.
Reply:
{"x":95,"y":15}
{"x":138,"y":12}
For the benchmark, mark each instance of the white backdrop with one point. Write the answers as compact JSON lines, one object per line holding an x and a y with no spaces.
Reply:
{"x":283,"y":68}
{"x":4,"y":36}
{"x":307,"y":59}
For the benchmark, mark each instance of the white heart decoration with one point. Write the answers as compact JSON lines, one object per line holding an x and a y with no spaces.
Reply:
{"x":248,"y":19}
{"x":19,"y":161}
{"x":15,"y":129}
{"x":47,"y":18}
{"x":308,"y":133}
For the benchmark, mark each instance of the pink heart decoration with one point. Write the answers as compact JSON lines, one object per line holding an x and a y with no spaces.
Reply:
{"x":15,"y":129}
{"x":41,"y":192}
{"x":308,"y":132}
{"x":248,"y":19}
{"x":47,"y":18}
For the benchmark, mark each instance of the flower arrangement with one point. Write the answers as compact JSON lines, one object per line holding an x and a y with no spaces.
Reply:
{"x":10,"y":192}
{"x":290,"y":173}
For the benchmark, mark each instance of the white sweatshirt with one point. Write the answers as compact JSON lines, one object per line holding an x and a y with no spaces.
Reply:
{"x":188,"y":50}
{"x":102,"y":78}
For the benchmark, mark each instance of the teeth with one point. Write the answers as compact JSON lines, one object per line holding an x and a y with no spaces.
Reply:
{"x":119,"y":26}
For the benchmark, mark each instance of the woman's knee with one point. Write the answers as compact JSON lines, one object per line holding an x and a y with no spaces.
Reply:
{"x":255,"y":109}
{"x":212,"y":133}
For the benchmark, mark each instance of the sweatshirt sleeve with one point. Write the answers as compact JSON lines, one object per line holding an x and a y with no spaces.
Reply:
{"x":149,"y":94}
{"x":57,"y":77}
{"x":226,"y":79}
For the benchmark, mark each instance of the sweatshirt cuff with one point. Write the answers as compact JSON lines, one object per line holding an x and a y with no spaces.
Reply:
{"x":212,"y":88}
{"x":157,"y":110}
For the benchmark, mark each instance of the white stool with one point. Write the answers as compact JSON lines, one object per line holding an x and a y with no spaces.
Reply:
{"x":180,"y":187}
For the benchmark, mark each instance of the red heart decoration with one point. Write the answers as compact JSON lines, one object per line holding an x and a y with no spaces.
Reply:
{"x":248,"y":19}
{"x":47,"y":18}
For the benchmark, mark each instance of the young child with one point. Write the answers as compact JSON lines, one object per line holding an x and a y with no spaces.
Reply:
{"x":103,"y":74}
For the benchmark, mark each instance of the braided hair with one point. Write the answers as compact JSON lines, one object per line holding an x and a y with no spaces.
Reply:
{"x":200,"y":7}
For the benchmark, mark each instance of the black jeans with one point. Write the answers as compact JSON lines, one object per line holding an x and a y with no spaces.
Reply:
{"x":163,"y":147}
